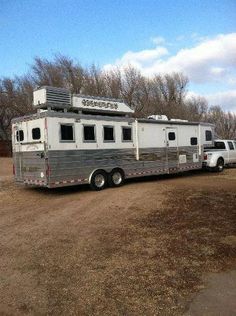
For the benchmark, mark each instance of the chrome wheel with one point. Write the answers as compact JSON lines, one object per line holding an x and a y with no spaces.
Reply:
{"x":220,"y":165}
{"x":117,"y":178}
{"x":99,"y":180}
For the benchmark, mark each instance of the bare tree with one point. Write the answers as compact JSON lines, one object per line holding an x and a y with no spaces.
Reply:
{"x":162,"y":94}
{"x":225,"y":122}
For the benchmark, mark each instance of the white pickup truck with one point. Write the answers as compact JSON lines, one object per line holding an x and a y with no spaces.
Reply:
{"x":222,"y":154}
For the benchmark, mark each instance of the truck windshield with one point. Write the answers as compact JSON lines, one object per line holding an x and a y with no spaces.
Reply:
{"x":220,"y":145}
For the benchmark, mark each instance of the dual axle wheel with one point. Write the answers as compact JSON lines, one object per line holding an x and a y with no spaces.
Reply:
{"x":100,"y":179}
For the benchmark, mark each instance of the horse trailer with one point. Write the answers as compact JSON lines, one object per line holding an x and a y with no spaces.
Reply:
{"x":76,"y":139}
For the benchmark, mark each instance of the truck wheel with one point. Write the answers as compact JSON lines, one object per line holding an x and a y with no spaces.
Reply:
{"x":220,"y":165}
{"x":116,"y":178}
{"x":98,"y":180}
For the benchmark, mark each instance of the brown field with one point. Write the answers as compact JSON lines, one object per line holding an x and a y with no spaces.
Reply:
{"x":141,"y":249}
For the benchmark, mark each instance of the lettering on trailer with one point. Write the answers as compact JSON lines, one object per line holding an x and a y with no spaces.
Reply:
{"x":100,"y":104}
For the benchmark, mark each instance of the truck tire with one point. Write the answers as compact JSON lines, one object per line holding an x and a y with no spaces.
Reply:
{"x":220,"y":165}
{"x":98,"y":180}
{"x":116,"y":178}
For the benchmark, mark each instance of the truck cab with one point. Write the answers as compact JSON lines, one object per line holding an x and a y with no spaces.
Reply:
{"x":222,"y":154}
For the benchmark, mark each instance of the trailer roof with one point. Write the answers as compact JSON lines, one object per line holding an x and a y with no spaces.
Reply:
{"x":51,"y":113}
{"x":170,"y":122}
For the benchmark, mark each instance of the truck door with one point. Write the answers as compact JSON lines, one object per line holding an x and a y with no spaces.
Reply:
{"x":172,"y":149}
{"x":232,"y":152}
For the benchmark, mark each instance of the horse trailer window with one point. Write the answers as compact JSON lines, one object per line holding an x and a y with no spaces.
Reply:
{"x":108,"y":133}
{"x":231,"y":146}
{"x":67,"y":132}
{"x":208,"y":135}
{"x":20,"y":135}
{"x":171,"y":136}
{"x":36,"y":134}
{"x":126,"y":134}
{"x":89,"y":133}
{"x":193,"y":141}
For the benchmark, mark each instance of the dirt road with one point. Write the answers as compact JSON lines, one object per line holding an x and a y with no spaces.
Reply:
{"x":141,"y":249}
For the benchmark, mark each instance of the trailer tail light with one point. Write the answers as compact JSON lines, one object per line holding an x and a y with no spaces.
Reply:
{"x":205,"y":157}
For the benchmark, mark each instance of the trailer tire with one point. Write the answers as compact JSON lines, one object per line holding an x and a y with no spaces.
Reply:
{"x":220,"y":165}
{"x":116,"y":178}
{"x":98,"y":180}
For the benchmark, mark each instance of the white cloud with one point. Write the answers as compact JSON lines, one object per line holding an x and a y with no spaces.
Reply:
{"x":158,"y":40}
{"x":209,"y":61}
{"x":226,"y":98}
{"x":212,"y":60}
{"x":141,"y":59}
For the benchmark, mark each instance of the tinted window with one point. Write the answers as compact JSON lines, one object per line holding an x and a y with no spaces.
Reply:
{"x":67,"y":132}
{"x":193,"y":141}
{"x":208,"y":135}
{"x":108,"y":133}
{"x":36,"y":133}
{"x":126,"y":134}
{"x":20,"y":135}
{"x":171,"y":136}
{"x":231,"y":146}
{"x":220,"y":145}
{"x":89,"y":133}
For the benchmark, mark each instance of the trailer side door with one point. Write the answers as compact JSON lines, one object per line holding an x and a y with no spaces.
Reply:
{"x":172,"y":149}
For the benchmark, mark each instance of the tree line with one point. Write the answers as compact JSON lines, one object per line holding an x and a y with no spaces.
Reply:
{"x":162,"y":94}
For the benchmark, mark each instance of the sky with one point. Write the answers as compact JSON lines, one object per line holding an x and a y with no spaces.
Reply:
{"x":197,"y":38}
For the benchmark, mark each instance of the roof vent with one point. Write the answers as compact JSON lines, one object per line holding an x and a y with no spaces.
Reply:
{"x":158,"y":117}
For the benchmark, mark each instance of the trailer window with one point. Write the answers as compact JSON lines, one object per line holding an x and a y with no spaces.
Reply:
{"x":193,"y":141}
{"x":208,"y":135}
{"x":231,"y":146}
{"x":126,"y":134}
{"x":171,"y":136}
{"x":67,"y":132}
{"x":20,"y":135}
{"x":89,"y":133}
{"x":36,"y":134}
{"x":108,"y":133}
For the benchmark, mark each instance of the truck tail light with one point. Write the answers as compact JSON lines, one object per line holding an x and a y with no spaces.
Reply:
{"x":205,"y":157}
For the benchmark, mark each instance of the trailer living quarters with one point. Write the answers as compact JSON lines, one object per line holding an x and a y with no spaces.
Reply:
{"x":76,"y":139}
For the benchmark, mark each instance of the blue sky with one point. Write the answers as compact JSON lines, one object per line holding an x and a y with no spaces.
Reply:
{"x":148,"y":34}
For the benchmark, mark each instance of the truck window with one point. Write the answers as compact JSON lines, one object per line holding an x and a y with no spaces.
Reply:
{"x":108,"y":134}
{"x":193,"y":141}
{"x":89,"y":133}
{"x":231,"y":146}
{"x":220,"y":145}
{"x":171,"y":136}
{"x":208,"y":135}
{"x":36,"y":134}
{"x":126,"y":134}
{"x":20,"y":135}
{"x":67,"y":132}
